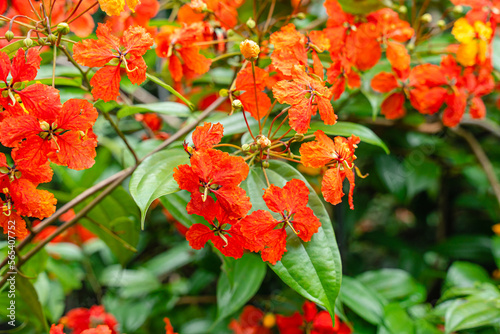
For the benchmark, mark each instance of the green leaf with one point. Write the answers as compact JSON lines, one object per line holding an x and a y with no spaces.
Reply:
{"x":313,"y":269}
{"x":466,"y":274}
{"x":346,"y":129}
{"x":115,"y":221}
{"x":165,"y":108}
{"x":364,"y":6}
{"x":12,"y":48}
{"x":154,"y":178}
{"x":394,"y":285}
{"x":362,"y":300}
{"x":397,"y":321}
{"x":166,"y":262}
{"x":495,"y":249}
{"x":28,"y":294}
{"x":471,"y":314}
{"x":248,"y":273}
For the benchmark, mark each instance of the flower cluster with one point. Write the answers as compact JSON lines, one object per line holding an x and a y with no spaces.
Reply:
{"x":213,"y":178}
{"x":87,"y":321}
{"x":253,"y":320}
{"x":40,"y":130}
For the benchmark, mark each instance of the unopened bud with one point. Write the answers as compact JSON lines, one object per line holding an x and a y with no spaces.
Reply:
{"x":249,"y":49}
{"x":298,"y":137}
{"x":403,"y":9}
{"x":230,"y":33}
{"x":441,"y":24}
{"x":250,"y":23}
{"x":269,"y":320}
{"x":63,"y":28}
{"x":264,"y":142}
{"x":28,"y":42}
{"x":245,"y":147}
{"x":223,"y":92}
{"x":410,"y":46}
{"x":52,"y":38}
{"x":237,"y":104}
{"x":426,"y":18}
{"x":301,"y":16}
{"x":458,"y":9}
{"x":265,"y":164}
{"x":9,"y":35}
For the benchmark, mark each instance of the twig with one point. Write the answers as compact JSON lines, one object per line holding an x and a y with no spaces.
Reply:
{"x":482,"y":158}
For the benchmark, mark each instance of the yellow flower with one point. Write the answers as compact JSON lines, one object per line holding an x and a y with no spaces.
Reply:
{"x":473,"y":40}
{"x":115,"y":7}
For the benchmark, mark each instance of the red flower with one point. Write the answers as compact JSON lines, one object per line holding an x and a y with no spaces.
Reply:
{"x":311,"y":322}
{"x":207,"y":136}
{"x":82,"y":319}
{"x":37,"y":98}
{"x":248,"y":90}
{"x":338,"y":155}
{"x":62,"y":135}
{"x":224,"y":231}
{"x":127,"y":51}
{"x":291,"y":203}
{"x":168,"y":326}
{"x":101,"y":329}
{"x":306,"y":95}
{"x":251,"y":321}
{"x":218,"y":173}
{"x":179,"y":46}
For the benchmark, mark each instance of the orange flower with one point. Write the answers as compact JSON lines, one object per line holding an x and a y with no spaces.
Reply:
{"x":306,"y":95}
{"x":127,"y":51}
{"x":291,"y":203}
{"x":64,"y":136}
{"x":82,"y":321}
{"x":216,"y":173}
{"x":247,"y":90}
{"x":179,"y":47}
{"x":115,"y":7}
{"x":251,"y":321}
{"x":168,"y":326}
{"x":208,"y":135}
{"x":339,"y":156}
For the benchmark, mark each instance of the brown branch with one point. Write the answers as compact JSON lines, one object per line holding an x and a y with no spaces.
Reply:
{"x":482,"y":158}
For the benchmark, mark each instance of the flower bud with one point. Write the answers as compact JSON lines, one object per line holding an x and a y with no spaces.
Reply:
{"x":441,"y":24}
{"x":264,"y":142}
{"x":237,"y":104}
{"x":9,"y":35}
{"x":223,"y":92}
{"x":245,"y":147}
{"x":249,"y":49}
{"x":265,"y":164}
{"x":230,"y":33}
{"x":28,"y":42}
{"x":52,"y":38}
{"x":251,"y":23}
{"x":403,"y":9}
{"x":269,"y":320}
{"x":298,"y":137}
{"x":410,"y":46}
{"x":63,"y":28}
{"x":301,"y":16}
{"x":458,"y":9}
{"x":426,"y":18}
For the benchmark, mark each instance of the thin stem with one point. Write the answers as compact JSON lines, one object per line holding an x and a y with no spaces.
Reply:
{"x":283,"y":136}
{"x":279,"y":127}
{"x":85,"y":11}
{"x":121,"y":135}
{"x":482,"y":158}
{"x":160,"y":83}
{"x":112,"y":234}
{"x":274,"y":120}
{"x":265,"y":175}
{"x":70,"y":58}
{"x":256,"y":96}
{"x":248,"y":126}
{"x":227,"y":145}
{"x":54,"y":58}
{"x":269,"y":113}
{"x":73,"y":11}
{"x":226,"y":55}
